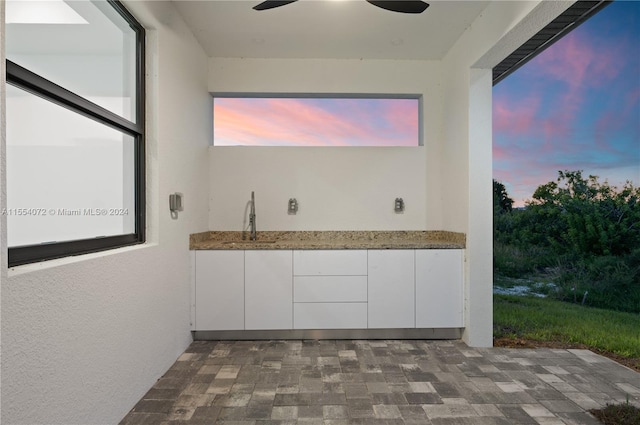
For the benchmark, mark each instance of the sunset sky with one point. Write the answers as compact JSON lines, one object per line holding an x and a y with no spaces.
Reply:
{"x":315,"y":122}
{"x":576,"y":106}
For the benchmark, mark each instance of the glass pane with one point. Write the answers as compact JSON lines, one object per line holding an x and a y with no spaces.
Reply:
{"x":68,"y":177}
{"x":83,"y":46}
{"x":315,"y":122}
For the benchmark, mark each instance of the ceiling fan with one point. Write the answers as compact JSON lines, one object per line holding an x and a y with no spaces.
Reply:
{"x":402,"y":6}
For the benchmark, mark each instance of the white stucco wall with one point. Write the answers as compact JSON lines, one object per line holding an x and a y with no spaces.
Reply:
{"x":84,"y":338}
{"x":338,"y":188}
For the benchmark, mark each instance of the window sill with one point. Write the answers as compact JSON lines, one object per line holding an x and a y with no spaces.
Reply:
{"x":61,"y":262}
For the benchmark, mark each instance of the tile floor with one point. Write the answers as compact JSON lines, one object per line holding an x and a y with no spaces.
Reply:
{"x":382,"y":382}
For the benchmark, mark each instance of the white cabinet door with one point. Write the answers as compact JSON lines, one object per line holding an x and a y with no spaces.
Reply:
{"x":342,"y":262}
{"x":439,"y":284}
{"x":268,"y":289}
{"x":219,"y":294}
{"x":391,"y":289}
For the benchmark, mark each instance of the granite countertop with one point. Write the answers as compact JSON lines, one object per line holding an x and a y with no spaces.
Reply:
{"x":421,"y":239}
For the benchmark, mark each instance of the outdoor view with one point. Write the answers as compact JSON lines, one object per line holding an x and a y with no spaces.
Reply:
{"x":302,"y":121}
{"x":566,"y":155}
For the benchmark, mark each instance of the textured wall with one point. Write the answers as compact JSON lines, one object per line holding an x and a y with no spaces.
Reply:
{"x":84,"y":338}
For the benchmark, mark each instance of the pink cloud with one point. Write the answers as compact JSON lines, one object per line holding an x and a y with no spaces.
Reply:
{"x":632,"y":98}
{"x":401,"y":113}
{"x":579,"y":60}
{"x":234,"y":124}
{"x":249,"y":122}
{"x":515,"y":119}
{"x":555,"y":127}
{"x":311,"y":123}
{"x":500,"y":153}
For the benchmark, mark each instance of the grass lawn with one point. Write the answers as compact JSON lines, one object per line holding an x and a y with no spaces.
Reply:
{"x":545,"y":320}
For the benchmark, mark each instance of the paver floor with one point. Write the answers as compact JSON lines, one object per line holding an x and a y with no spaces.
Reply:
{"x":382,"y":382}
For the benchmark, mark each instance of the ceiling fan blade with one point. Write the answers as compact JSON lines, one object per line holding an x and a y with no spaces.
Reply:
{"x":408,"y":6}
{"x":270,"y":4}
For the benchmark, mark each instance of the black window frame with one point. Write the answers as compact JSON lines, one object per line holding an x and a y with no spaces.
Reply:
{"x":26,"y":80}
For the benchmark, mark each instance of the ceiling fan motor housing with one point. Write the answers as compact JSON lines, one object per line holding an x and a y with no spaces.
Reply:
{"x":402,"y":6}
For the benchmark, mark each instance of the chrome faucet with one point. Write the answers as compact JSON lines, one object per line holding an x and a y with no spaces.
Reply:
{"x":252,"y":218}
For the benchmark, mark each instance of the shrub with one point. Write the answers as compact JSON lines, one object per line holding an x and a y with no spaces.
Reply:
{"x":618,"y":414}
{"x":588,"y":231}
{"x":611,"y":282}
{"x":513,"y":261}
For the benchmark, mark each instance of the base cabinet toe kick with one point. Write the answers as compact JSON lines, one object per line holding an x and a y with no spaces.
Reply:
{"x":317,"y":334}
{"x":327,"y":294}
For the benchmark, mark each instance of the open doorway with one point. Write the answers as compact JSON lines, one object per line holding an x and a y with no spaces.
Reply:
{"x":566,"y":153}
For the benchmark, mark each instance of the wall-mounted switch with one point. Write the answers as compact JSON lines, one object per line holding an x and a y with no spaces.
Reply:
{"x":293,"y":206}
{"x":175,"y":204}
{"x":399,"y":205}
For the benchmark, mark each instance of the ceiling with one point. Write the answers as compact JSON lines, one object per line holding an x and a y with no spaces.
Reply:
{"x":335,"y":29}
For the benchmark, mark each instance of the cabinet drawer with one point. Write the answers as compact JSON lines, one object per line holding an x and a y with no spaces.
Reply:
{"x":330,"y":262}
{"x":330,"y":315}
{"x":330,"y":289}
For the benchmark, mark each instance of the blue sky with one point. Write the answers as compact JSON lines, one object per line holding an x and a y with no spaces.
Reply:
{"x":575,"y":106}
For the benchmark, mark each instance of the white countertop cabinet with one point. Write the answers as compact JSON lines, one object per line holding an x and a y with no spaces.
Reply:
{"x":439,"y":286}
{"x":219,"y":290}
{"x":391,"y":289}
{"x":268,"y":289}
{"x":292,"y":290}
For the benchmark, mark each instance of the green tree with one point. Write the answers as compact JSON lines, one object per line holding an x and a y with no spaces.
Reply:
{"x":585,"y":232}
{"x":502,"y":203}
{"x":585,"y":216}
